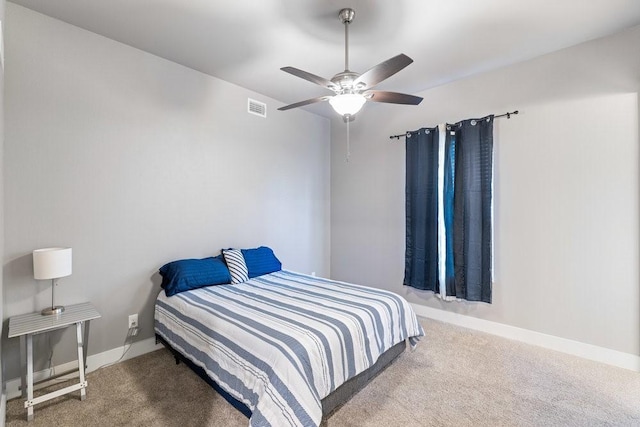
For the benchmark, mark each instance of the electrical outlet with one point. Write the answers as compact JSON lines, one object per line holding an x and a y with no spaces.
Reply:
{"x":133,"y":320}
{"x":313,"y":273}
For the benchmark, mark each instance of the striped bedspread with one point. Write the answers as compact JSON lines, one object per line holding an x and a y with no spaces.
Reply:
{"x":282,"y":342}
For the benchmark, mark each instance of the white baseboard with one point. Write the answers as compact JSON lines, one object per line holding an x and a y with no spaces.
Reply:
{"x":3,"y":409}
{"x":576,"y":348}
{"x":94,"y":362}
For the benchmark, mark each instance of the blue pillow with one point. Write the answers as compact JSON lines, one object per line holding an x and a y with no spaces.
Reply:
{"x":185,"y":274}
{"x":261,"y":261}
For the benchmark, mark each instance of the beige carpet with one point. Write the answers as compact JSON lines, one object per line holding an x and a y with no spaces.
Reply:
{"x":456,"y":377}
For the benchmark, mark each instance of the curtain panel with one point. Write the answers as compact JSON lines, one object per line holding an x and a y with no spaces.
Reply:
{"x":421,"y":204}
{"x":450,"y":241}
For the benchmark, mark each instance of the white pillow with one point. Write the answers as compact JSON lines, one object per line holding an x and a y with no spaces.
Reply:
{"x":237,"y":266}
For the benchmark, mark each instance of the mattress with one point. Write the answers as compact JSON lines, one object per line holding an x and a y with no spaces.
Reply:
{"x":281,"y":342}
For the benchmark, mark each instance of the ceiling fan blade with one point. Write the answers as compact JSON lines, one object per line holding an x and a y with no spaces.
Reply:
{"x":383,"y":70}
{"x":310,"y":77}
{"x":305,"y":102}
{"x":392,"y":97}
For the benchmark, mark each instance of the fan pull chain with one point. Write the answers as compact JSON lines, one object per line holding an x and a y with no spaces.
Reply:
{"x":348,"y":142}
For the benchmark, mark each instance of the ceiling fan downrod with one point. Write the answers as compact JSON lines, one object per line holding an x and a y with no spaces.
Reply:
{"x":346,"y":16}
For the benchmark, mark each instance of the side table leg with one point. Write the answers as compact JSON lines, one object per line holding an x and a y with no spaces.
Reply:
{"x":29,"y":402}
{"x":81,"y":361}
{"x":85,"y":342}
{"x":23,"y":366}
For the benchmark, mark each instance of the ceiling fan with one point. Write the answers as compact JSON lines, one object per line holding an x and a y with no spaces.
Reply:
{"x":352,"y":90}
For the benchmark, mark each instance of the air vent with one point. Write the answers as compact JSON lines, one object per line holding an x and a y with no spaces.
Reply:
{"x":257,"y":108}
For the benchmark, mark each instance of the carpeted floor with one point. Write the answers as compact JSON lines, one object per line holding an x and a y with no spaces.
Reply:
{"x":456,"y":377}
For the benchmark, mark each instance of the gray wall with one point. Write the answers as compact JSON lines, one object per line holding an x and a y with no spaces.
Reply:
{"x":566,"y":192}
{"x":134,"y":161}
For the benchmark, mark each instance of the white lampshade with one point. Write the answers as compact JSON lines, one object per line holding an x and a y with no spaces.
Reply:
{"x":51,"y":263}
{"x":347,"y":103}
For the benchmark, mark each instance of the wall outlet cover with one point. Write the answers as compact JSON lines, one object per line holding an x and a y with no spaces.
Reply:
{"x":133,"y":320}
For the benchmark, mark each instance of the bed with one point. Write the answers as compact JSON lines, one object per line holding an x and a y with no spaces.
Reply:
{"x":288,"y":347}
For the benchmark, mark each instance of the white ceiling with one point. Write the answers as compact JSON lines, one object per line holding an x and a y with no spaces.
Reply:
{"x":247,"y":41}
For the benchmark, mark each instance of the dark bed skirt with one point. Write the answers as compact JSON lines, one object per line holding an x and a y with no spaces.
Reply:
{"x":330,"y":404}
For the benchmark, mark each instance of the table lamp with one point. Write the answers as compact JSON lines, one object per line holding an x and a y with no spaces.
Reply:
{"x":52,"y":263}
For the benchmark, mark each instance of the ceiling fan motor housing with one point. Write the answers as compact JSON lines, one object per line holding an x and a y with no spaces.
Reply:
{"x":344,"y":80}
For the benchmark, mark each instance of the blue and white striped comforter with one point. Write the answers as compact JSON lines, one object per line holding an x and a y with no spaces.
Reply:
{"x":280,"y":343}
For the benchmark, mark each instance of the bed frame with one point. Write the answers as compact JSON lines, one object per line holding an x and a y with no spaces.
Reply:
{"x":330,"y":404}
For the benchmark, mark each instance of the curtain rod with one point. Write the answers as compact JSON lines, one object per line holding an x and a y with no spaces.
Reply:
{"x":507,"y":115}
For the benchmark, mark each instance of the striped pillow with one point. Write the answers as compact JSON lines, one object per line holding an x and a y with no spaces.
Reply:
{"x":237,"y":266}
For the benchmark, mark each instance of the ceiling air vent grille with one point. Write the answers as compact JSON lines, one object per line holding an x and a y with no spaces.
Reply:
{"x":257,"y":108}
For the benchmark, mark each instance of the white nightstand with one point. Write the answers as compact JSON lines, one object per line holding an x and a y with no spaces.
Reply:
{"x":27,"y":325}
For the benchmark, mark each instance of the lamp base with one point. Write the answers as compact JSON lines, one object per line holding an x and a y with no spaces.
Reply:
{"x":58,"y":309}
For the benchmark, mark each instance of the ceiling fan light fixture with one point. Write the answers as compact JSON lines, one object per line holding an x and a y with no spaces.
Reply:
{"x":347,"y":103}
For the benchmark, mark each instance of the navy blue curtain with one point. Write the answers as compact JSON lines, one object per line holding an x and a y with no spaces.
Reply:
{"x":472,"y":212}
{"x":421,"y":203}
{"x":467,"y":209}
